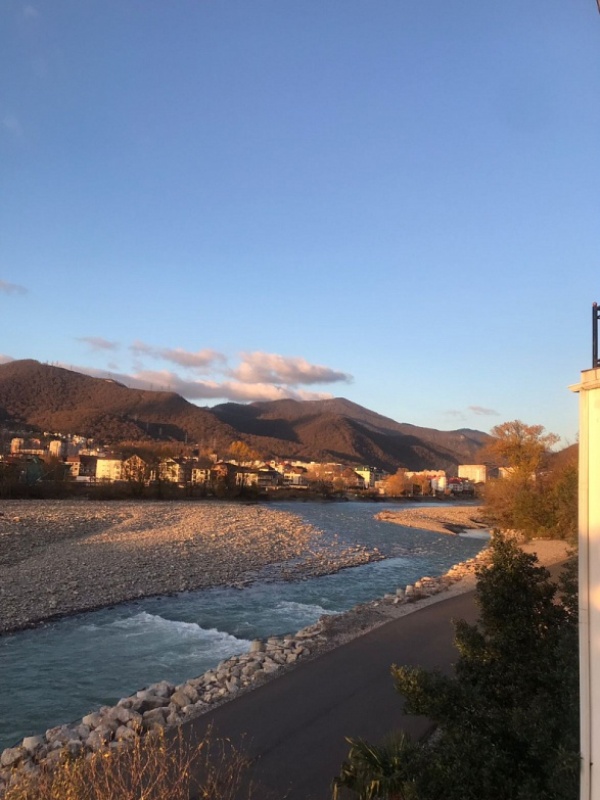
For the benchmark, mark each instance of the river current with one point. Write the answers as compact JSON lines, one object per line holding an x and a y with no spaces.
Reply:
{"x":63,"y":670}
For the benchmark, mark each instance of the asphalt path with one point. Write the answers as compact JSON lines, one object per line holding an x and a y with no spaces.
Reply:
{"x":294,"y":727}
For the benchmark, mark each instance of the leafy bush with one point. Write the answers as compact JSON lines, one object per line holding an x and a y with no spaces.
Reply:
{"x":538,"y":495}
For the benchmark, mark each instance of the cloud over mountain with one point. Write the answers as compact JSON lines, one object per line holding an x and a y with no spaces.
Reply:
{"x":212,"y":390}
{"x":258,"y":377}
{"x":260,"y":367}
{"x":200,"y":359}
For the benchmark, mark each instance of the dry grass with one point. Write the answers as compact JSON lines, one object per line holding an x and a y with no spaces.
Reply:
{"x":152,"y":768}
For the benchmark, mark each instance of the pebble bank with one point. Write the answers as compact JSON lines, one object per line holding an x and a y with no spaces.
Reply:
{"x":62,"y":557}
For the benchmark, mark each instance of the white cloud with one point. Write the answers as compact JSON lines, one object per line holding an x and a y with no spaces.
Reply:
{"x":483,"y":412}
{"x":165,"y":380}
{"x":256,"y":392}
{"x":259,"y":377}
{"x":98,"y":343}
{"x":201,"y":359}
{"x":478,"y":410}
{"x":292,"y":371}
{"x":5,"y":359}
{"x":11,"y":288}
{"x":258,"y":369}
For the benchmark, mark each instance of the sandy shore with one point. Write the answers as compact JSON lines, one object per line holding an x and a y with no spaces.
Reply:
{"x":61,"y":557}
{"x":445,"y":519}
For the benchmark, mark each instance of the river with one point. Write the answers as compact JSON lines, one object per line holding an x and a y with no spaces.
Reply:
{"x":61,"y":671}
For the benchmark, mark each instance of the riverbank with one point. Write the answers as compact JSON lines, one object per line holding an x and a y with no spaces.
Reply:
{"x":446,"y":519}
{"x":165,"y":705}
{"x":458,"y":580}
{"x":62,"y":557}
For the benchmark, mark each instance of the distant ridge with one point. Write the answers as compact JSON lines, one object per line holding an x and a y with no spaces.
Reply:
{"x":57,"y":399}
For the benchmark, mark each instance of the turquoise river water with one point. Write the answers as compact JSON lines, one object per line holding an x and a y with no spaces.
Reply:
{"x":61,"y":671}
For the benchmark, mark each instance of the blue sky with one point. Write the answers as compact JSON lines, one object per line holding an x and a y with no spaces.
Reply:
{"x":394,"y":202}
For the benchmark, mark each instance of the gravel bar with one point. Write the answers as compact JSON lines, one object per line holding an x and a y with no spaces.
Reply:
{"x":62,"y":557}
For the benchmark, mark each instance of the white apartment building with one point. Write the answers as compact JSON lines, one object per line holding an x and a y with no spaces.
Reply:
{"x":109,"y":469}
{"x":476,"y":473}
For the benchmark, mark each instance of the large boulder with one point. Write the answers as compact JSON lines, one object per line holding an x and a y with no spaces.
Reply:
{"x":13,"y":756}
{"x":155,"y":719}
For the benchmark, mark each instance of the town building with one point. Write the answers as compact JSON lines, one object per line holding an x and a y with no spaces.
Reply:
{"x":370,"y":476}
{"x":109,"y":469}
{"x":82,"y":468}
{"x":476,"y":473}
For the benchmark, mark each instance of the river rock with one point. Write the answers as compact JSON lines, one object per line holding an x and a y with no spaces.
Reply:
{"x":162,"y":689}
{"x":53,"y":758}
{"x":124,"y":734}
{"x":83,"y":731}
{"x":33,"y":743}
{"x":91,"y":720}
{"x":74,"y":747}
{"x":190,"y":690}
{"x":250,"y":669}
{"x":59,"y":735}
{"x":118,"y":715}
{"x":12,"y":756}
{"x":179,"y":699}
{"x":268,"y":669}
{"x":99,"y":737}
{"x":154,"y":719}
{"x":149,"y":704}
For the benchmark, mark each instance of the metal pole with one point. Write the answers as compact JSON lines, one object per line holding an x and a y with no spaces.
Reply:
{"x":595,"y":318}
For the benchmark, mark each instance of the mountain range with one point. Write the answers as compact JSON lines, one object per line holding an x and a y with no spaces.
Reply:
{"x":48,"y":398}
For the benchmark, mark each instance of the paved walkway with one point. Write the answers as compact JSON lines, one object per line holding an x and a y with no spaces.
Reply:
{"x":294,"y":727}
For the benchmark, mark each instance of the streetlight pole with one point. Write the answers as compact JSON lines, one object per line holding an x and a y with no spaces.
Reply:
{"x":589,"y":568}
